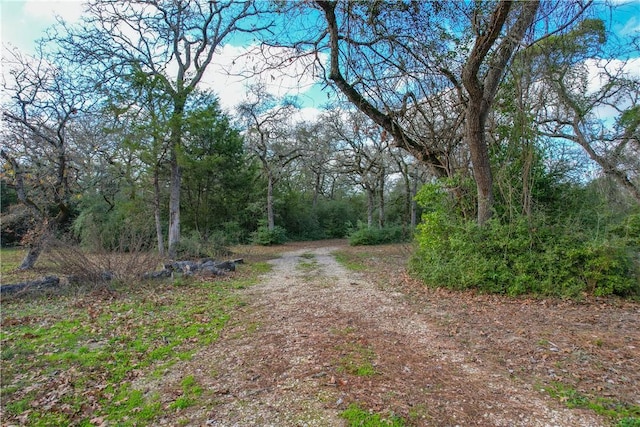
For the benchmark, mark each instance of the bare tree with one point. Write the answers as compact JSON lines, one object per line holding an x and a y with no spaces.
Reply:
{"x":362,"y":154}
{"x":269,"y":135}
{"x":581,"y":85}
{"x":40,"y":146}
{"x":390,"y":58}
{"x":171,"y":41}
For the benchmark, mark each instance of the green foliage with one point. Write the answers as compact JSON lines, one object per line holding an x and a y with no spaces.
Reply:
{"x":629,"y":422}
{"x":8,"y":196}
{"x":364,"y":235}
{"x":358,"y":417}
{"x":330,"y":218}
{"x":336,"y":217}
{"x":265,"y":237}
{"x":628,"y":415}
{"x":102,"y":226}
{"x":536,"y":255}
{"x":297,"y":216}
{"x":218,"y":184}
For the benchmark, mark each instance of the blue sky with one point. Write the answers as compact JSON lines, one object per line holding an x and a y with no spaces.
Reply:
{"x":24,"y":21}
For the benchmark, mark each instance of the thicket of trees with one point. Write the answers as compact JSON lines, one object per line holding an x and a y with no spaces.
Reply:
{"x":521,"y":118}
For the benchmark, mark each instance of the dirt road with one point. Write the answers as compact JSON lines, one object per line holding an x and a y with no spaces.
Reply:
{"x":314,"y":338}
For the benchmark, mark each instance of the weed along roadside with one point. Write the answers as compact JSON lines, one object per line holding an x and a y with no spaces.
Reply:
{"x":317,"y":335}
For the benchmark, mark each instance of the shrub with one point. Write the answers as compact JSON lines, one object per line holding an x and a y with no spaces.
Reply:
{"x":539,"y":255}
{"x":194,"y":245}
{"x":265,"y":237}
{"x":364,"y":235}
{"x":521,"y":257}
{"x":97,"y":268}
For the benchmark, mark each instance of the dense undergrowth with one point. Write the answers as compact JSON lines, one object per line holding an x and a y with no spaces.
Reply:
{"x":541,"y":254}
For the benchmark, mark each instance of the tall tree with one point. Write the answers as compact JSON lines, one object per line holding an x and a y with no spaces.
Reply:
{"x":493,"y":29}
{"x":41,"y":149}
{"x":218,"y":184}
{"x":269,"y":137}
{"x":581,"y":81}
{"x":173,"y":41}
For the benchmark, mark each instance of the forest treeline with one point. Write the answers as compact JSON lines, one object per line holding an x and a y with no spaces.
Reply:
{"x":502,"y":137}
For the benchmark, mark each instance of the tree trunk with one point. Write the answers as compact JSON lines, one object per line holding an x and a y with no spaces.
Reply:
{"x":481,"y":163}
{"x":35,"y":249}
{"x":482,"y":87}
{"x":370,"y":203}
{"x":381,"y":213}
{"x":527,"y":184}
{"x":270,"y":216}
{"x":414,"y":205}
{"x":156,"y":211}
{"x":316,"y":191}
{"x":176,"y":178}
{"x":174,"y":205}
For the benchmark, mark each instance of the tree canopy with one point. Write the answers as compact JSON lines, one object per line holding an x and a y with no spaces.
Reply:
{"x":519,"y":119}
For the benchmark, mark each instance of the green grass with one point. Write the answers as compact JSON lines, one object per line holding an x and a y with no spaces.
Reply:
{"x":359,"y":417}
{"x":73,"y":358}
{"x":357,"y":360}
{"x":351,"y":261}
{"x":627,"y":415}
{"x":190,"y":393}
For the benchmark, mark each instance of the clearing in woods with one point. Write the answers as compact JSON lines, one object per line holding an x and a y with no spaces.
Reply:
{"x":315,"y":338}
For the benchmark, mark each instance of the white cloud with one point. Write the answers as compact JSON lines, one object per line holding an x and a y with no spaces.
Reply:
{"x":599,"y":72}
{"x":69,"y":10}
{"x":234,"y":69}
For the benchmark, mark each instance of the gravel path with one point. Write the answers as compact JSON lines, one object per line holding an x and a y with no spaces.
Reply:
{"x":290,"y":357}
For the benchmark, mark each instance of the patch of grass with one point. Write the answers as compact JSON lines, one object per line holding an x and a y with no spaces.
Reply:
{"x":344,"y":331}
{"x":131,"y":407}
{"x":351,"y":261}
{"x":190,"y":392}
{"x":627,"y":414}
{"x":307,"y":266}
{"x":11,"y":258}
{"x":357,"y":360}
{"x":629,"y":422}
{"x":356,"y":416}
{"x":70,"y":359}
{"x":261,"y":267}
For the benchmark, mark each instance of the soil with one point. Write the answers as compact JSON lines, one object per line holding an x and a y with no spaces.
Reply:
{"x":313,"y":338}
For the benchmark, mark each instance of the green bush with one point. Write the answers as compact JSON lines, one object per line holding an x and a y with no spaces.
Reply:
{"x":265,"y":237}
{"x":534,"y":255}
{"x":192,"y":246}
{"x":364,"y":235}
{"x":629,"y":422}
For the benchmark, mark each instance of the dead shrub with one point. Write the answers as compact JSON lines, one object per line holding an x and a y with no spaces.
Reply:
{"x":127,"y":264}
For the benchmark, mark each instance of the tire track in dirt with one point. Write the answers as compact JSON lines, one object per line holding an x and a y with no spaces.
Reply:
{"x":285,"y":359}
